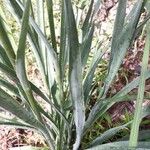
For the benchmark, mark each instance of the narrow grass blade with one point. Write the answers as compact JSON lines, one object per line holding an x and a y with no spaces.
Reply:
{"x":51,"y":120}
{"x":8,"y":29}
{"x":46,"y":99}
{"x":12,"y":88}
{"x":17,"y":13}
{"x":41,"y":23}
{"x":51,"y":23}
{"x":87,"y":19}
{"x":37,"y":91}
{"x":8,"y":72}
{"x":75,"y":74}
{"x":86,"y":46}
{"x":96,"y":6}
{"x":101,"y":107}
{"x":93,"y":9}
{"x":51,"y":56}
{"x":42,"y":36}
{"x":40,"y":14}
{"x":4,"y":58}
{"x":140,"y":27}
{"x":6,"y":42}
{"x":90,"y":74}
{"x":138,"y":108}
{"x":15,"y":91}
{"x":15,"y":124}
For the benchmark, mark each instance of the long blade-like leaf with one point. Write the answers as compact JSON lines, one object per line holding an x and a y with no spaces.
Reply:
{"x":138,"y":108}
{"x":6,"y":42}
{"x":51,"y":23}
{"x":3,"y":56}
{"x":41,"y":24}
{"x":87,"y":20}
{"x":64,"y":45}
{"x":103,"y":105}
{"x":118,"y":25}
{"x":75,"y":74}
{"x":86,"y":45}
{"x":108,"y":134}
{"x":122,"y":45}
{"x":90,"y":74}
{"x":121,"y":145}
{"x":111,"y":132}
{"x":20,"y":62}
{"x":14,"y":122}
{"x":8,"y":103}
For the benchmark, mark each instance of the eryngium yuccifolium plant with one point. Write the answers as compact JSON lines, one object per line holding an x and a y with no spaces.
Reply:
{"x":66,"y":72}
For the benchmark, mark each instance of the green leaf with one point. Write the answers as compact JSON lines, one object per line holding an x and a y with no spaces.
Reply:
{"x":64,"y":45}
{"x":51,"y":23}
{"x":144,"y":135}
{"x":15,"y":122}
{"x":46,"y":99}
{"x":17,"y":10}
{"x":9,"y":86}
{"x":41,"y":23}
{"x":86,"y":45}
{"x":75,"y":74}
{"x":119,"y":48}
{"x":90,"y":74}
{"x":111,"y":132}
{"x":103,"y":105}
{"x":4,"y":58}
{"x":6,"y":42}
{"x":20,"y":61}
{"x":107,"y":135}
{"x":52,"y":122}
{"x":121,"y":145}
{"x":9,"y":72}
{"x":21,"y":71}
{"x":138,"y":108}
{"x":140,"y":27}
{"x":118,"y":26}
{"x":8,"y":103}
{"x":86,"y":23}
{"x":133,"y":84}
